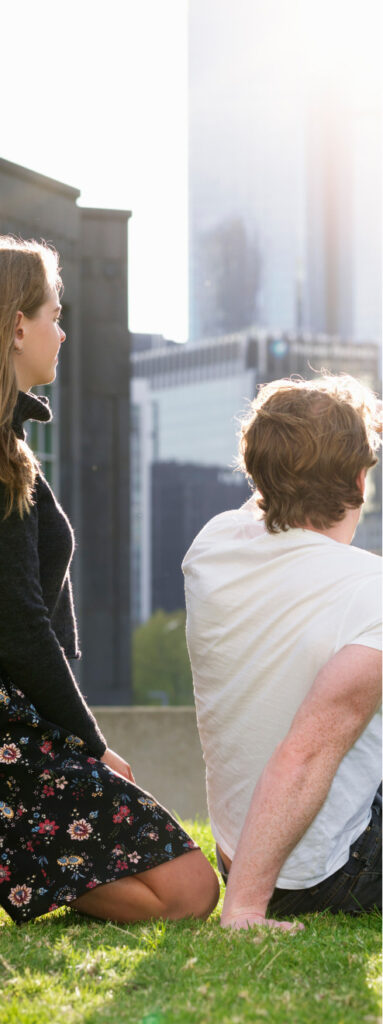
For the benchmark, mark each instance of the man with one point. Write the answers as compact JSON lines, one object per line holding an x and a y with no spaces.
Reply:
{"x":284,"y":637}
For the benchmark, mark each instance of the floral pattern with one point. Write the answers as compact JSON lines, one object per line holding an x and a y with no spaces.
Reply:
{"x":67,"y":822}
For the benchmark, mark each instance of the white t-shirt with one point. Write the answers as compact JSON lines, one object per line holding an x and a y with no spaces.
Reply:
{"x":264,"y":613}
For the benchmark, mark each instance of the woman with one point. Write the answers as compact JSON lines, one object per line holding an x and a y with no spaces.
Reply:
{"x":74,"y":827}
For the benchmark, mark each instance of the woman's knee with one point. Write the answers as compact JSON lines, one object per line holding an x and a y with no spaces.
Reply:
{"x":187,"y":886}
{"x":207,"y":895}
{"x":184,"y":887}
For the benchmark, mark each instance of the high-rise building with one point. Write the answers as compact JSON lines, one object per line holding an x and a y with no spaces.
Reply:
{"x":187,"y":401}
{"x":284,"y":173}
{"x":184,"y":402}
{"x":185,"y":497}
{"x":85,"y":452}
{"x":343,"y":257}
{"x":245,"y":170}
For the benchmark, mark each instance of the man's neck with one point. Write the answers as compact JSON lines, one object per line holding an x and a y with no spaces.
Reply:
{"x":343,"y":531}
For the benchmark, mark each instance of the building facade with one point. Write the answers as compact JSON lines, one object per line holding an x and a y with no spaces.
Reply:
{"x":285,"y":198}
{"x":188,"y":402}
{"x":343,"y":258}
{"x":185,"y":497}
{"x":246,"y":154}
{"x":85,"y":453}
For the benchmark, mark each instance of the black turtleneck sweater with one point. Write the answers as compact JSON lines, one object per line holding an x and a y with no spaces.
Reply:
{"x":37,"y":622}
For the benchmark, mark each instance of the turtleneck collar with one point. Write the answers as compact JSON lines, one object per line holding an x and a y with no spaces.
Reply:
{"x":30,"y":407}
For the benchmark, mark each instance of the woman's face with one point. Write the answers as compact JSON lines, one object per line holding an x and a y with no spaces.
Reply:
{"x":37,"y":344}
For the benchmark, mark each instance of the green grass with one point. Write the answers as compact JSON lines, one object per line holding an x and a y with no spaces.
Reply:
{"x":65,"y":968}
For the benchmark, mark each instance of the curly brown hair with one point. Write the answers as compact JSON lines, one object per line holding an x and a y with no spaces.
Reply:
{"x":304,"y":445}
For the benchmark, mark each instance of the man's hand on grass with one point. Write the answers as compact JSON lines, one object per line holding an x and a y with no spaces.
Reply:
{"x":243,"y":919}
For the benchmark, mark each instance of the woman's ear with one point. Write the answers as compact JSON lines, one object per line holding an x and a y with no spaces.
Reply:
{"x":19,"y":332}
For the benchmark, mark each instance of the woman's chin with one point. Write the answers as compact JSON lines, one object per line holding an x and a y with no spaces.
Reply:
{"x":44,"y":380}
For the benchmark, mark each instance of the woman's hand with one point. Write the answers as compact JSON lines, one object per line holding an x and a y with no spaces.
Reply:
{"x":117,"y":764}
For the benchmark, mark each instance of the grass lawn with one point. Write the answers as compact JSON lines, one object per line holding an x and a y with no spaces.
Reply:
{"x":65,"y":968}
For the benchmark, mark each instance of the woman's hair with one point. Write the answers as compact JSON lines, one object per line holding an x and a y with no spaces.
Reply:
{"x":304,"y":444}
{"x":27,"y":271}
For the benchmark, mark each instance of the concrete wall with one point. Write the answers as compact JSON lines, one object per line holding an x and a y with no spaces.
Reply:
{"x":162,"y":746}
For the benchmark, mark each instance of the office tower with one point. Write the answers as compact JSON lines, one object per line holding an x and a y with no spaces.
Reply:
{"x":284,"y":168}
{"x":343,"y":213}
{"x":245,"y":169}
{"x":187,"y":402}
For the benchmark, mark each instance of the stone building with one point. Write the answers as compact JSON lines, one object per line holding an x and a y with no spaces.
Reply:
{"x":85,"y":452}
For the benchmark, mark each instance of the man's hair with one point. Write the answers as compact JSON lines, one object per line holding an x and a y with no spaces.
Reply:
{"x":304,"y":444}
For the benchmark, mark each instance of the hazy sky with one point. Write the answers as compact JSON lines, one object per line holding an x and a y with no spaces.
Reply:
{"x":96,"y":96}
{"x":264,"y":75}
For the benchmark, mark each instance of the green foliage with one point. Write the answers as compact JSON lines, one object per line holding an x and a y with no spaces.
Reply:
{"x":67,"y":969}
{"x":161,"y":661}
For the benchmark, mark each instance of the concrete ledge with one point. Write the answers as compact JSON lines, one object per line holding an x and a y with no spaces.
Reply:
{"x":162,"y":746}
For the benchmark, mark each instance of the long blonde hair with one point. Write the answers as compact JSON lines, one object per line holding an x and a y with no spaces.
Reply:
{"x":27,"y":271}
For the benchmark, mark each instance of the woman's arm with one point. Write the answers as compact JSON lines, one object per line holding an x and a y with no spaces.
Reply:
{"x":29,"y":650}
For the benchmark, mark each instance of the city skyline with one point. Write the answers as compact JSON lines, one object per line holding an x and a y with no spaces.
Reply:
{"x":108,"y":113}
{"x":285,"y":167}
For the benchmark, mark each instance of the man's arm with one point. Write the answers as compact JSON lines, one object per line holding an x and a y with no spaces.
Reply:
{"x":295,"y":782}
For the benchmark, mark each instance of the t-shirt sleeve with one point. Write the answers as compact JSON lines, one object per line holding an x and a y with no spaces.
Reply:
{"x":30,"y":653}
{"x":362,"y":621}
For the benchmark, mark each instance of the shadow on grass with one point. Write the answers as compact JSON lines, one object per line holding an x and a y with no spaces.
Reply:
{"x":191,"y":972}
{"x":196,"y":973}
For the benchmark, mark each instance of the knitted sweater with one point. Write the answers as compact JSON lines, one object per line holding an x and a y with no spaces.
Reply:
{"x":37,"y":623}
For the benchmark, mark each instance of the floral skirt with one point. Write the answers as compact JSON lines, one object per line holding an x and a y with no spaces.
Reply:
{"x":68,"y":823}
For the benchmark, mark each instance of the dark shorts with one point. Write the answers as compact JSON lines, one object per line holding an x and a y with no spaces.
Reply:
{"x":354,"y":889}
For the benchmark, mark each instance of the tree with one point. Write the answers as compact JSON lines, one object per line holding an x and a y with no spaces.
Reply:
{"x":161,"y":669}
